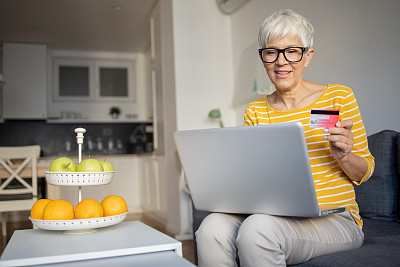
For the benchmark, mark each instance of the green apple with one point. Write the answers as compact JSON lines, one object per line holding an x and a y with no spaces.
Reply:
{"x":63,"y":165}
{"x":90,"y":165}
{"x":107,"y":166}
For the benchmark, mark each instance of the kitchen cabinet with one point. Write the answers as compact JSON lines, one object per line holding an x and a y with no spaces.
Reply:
{"x":153,"y":191}
{"x":85,"y":85}
{"x":25,"y":91}
{"x":125,"y":183}
{"x":93,"y":79}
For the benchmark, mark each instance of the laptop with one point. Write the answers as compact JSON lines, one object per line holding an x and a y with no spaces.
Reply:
{"x":251,"y":169}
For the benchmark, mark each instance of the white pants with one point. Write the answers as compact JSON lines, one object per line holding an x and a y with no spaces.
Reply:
{"x":265,"y":240}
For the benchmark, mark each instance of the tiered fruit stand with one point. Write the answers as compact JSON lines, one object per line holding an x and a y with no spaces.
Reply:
{"x":79,"y":179}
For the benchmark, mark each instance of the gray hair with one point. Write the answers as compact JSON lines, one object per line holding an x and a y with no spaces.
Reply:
{"x":286,"y":22}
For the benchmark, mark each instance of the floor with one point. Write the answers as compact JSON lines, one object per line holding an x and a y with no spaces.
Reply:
{"x":187,"y":245}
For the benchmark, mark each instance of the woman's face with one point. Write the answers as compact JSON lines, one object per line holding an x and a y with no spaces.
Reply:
{"x":283,"y":74}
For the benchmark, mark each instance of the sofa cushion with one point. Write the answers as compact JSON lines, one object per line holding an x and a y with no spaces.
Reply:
{"x":381,"y":243}
{"x":198,"y":217}
{"x":398,"y":171}
{"x":378,"y":197}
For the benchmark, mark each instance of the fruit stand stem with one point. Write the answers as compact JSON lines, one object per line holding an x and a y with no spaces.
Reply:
{"x":80,"y":153}
{"x":79,"y":139}
{"x":79,"y":161}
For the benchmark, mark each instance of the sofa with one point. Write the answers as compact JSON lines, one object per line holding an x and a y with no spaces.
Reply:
{"x":378,"y":200}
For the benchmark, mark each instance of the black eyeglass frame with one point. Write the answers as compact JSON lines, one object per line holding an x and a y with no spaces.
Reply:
{"x":303,"y":49}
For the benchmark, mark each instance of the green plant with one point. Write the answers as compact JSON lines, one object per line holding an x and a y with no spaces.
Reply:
{"x":216,"y":114}
{"x":114,"y":110}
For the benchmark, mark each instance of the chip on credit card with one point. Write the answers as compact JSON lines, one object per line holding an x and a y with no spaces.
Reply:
{"x":324,"y":118}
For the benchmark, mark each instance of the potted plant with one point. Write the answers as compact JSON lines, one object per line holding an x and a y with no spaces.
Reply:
{"x":114,"y":112}
{"x":216,"y":114}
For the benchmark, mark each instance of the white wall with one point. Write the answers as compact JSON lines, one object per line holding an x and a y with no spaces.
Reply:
{"x":203,"y":81}
{"x":355,"y":42}
{"x":203,"y":64}
{"x":169,"y":174}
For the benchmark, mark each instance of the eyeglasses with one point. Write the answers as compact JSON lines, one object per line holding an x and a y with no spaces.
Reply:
{"x":291,"y":54}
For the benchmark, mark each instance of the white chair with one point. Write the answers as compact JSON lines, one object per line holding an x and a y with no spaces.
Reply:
{"x":17,"y":193}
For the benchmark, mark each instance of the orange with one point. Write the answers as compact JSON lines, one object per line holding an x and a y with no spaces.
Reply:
{"x":38,"y":207}
{"x":88,"y":208}
{"x":58,"y":210}
{"x":114,"y":205}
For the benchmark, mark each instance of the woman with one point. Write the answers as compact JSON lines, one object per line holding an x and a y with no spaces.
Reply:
{"x":339,"y":158}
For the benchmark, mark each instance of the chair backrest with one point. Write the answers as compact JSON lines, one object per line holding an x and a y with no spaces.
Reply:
{"x":15,"y":162}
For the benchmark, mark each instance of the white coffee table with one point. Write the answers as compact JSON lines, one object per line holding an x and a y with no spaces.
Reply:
{"x":126,"y":243}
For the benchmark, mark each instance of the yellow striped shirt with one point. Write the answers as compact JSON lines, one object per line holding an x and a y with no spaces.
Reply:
{"x":332,"y":186}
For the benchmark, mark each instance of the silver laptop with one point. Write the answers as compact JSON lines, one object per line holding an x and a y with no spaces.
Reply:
{"x":250,"y":169}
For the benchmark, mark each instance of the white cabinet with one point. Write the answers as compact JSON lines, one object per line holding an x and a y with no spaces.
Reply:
{"x":137,"y":180}
{"x":93,"y":79}
{"x":87,"y":84}
{"x":24,"y":94}
{"x":150,"y":184}
{"x":125,"y":183}
{"x":153,"y":191}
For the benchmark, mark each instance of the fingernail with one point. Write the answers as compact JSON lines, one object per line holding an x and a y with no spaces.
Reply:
{"x":338,"y":124}
{"x":325,"y":137}
{"x":326,"y":130}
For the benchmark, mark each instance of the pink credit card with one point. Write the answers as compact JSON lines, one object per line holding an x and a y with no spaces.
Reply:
{"x":324,"y":118}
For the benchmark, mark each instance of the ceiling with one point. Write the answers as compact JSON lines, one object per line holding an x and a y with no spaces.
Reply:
{"x":97,"y":25}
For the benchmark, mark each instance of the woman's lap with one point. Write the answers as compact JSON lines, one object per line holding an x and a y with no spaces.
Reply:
{"x":262,"y":240}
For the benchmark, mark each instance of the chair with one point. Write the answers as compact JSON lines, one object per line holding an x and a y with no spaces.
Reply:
{"x":18,"y":192}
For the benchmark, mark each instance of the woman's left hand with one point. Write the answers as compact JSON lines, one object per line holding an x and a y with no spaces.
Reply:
{"x":340,"y":139}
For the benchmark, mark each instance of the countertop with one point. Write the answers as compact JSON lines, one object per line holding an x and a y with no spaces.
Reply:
{"x":53,"y":191}
{"x":45,"y":162}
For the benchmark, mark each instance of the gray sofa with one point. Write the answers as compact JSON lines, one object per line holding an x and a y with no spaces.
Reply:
{"x":378,"y":199}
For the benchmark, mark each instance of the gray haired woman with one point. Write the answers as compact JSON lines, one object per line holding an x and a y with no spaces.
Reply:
{"x":339,"y":157}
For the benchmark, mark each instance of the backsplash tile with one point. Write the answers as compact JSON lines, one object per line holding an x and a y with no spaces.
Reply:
{"x":59,"y":139}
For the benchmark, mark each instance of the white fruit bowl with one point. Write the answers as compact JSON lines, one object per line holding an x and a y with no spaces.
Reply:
{"x":79,"y":178}
{"x":78,"y":224}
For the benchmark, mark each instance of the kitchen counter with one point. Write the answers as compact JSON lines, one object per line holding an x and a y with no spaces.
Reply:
{"x":101,"y":138}
{"x":27,"y":172}
{"x":74,"y":157}
{"x":45,"y":162}
{"x":53,"y":192}
{"x":58,"y":120}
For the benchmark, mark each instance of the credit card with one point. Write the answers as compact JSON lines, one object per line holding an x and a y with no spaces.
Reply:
{"x":324,"y":118}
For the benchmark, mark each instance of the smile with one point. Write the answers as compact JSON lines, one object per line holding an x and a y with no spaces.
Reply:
{"x":282,"y":74}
